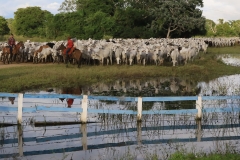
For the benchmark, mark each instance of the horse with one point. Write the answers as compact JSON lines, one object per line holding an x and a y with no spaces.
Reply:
{"x":7,"y":56}
{"x":18,"y":52}
{"x":74,"y":53}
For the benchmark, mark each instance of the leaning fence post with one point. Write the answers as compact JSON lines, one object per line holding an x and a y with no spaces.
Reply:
{"x":199,"y":108}
{"x":20,"y":106}
{"x":84,"y":109}
{"x":139,"y":109}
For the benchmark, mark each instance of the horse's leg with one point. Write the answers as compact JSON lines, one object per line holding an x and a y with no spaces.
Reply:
{"x":9,"y":58}
{"x":4,"y":57}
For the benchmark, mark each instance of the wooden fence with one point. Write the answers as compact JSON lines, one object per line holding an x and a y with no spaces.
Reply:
{"x":84,"y":110}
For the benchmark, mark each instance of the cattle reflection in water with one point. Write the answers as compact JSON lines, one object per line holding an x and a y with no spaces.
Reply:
{"x":11,"y":99}
{"x":74,"y":91}
{"x":153,"y":87}
{"x":145,"y":88}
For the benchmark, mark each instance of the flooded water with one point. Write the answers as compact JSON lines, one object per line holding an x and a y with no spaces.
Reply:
{"x":233,"y":60}
{"x":120,"y":136}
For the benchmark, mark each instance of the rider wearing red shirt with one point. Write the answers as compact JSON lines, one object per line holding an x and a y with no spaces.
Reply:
{"x":69,"y":45}
{"x":11,"y":42}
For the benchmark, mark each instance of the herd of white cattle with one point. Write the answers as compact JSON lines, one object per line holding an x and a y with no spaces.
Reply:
{"x":153,"y":51}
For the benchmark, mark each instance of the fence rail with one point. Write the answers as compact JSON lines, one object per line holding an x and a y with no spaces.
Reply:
{"x":84,"y":135}
{"x":84,"y":110}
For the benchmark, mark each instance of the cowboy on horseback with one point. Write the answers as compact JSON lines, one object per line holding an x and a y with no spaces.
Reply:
{"x":11,"y":43}
{"x":69,"y":47}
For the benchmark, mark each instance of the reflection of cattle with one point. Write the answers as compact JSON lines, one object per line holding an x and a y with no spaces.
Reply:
{"x":100,"y":87}
{"x":70,"y":102}
{"x":153,"y":87}
{"x":161,"y":86}
{"x":174,"y":86}
{"x":76,"y":91}
{"x":11,"y":99}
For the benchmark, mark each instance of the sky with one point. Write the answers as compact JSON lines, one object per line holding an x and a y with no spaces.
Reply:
{"x":213,"y":9}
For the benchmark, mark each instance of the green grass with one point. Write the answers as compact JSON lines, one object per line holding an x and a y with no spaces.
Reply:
{"x":205,"y":67}
{"x":214,"y":156}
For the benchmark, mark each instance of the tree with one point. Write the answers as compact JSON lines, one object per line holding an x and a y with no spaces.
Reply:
{"x":211,"y":28}
{"x":4,"y":29}
{"x":235,"y":25}
{"x":177,"y":16}
{"x":68,"y":6}
{"x":30,"y":21}
{"x":99,"y":24}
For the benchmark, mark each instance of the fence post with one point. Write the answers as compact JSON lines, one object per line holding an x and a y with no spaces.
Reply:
{"x":84,"y":107}
{"x":139,"y":109}
{"x":199,"y":108}
{"x":199,"y":131}
{"x":20,"y":105}
{"x":139,"y":132}
{"x":83,"y":130}
{"x":20,"y":140}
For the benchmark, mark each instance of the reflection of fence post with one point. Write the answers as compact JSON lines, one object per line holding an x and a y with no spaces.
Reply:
{"x":139,"y":132}
{"x":139,"y":108}
{"x":20,"y":140}
{"x":199,"y":130}
{"x":20,"y":105}
{"x":84,"y":109}
{"x":199,"y":108}
{"x":84,"y":136}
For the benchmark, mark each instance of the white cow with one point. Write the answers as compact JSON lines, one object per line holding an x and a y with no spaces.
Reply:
{"x":141,"y":56}
{"x":103,"y":52}
{"x":174,"y":54}
{"x":46,"y":52}
{"x":184,"y":54}
{"x":118,"y":53}
{"x":132,"y":54}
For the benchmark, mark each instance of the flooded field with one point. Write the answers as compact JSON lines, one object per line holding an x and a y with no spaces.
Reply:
{"x":117,"y":136}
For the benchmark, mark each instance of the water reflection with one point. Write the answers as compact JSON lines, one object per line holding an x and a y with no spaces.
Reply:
{"x":69,"y":102}
{"x":11,"y":99}
{"x":85,"y":141}
{"x":222,"y":86}
{"x":152,"y":87}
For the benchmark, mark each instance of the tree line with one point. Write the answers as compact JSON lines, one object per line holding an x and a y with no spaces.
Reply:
{"x":96,"y":19}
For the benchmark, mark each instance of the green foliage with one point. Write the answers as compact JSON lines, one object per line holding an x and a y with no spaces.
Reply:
{"x":222,"y":29}
{"x":177,"y":16}
{"x":96,"y":19}
{"x":98,"y":25}
{"x":68,"y":6}
{"x":92,"y":6}
{"x":4,"y":29}
{"x":191,"y":156}
{"x":30,"y":21}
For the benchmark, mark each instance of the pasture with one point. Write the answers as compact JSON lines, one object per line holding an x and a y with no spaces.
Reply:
{"x":26,"y":76}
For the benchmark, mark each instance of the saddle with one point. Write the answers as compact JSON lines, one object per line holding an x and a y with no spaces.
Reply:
{"x":70,"y":52}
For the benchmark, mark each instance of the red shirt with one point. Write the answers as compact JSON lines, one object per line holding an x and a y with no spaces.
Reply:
{"x":69,"y":43}
{"x":70,"y":102}
{"x":11,"y":41}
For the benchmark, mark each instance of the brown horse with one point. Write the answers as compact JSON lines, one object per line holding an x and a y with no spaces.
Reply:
{"x":7,"y":56}
{"x":74,"y":53}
